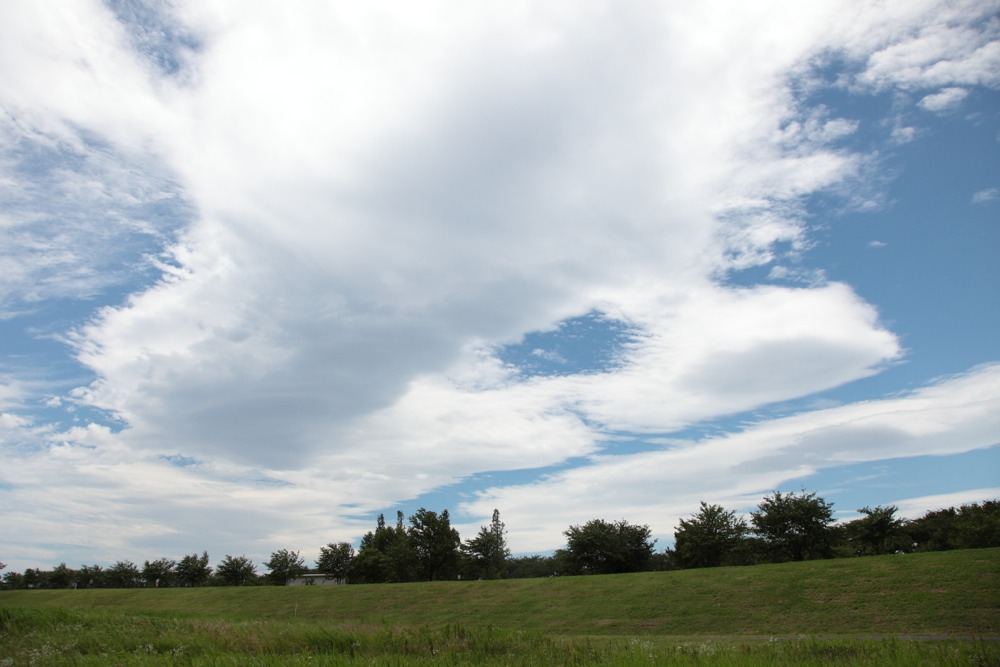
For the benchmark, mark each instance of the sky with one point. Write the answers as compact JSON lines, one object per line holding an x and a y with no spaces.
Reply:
{"x":269,"y":269}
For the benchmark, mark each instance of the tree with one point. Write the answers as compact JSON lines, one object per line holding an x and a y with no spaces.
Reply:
{"x":123,"y":574}
{"x":91,"y":576}
{"x":971,"y":526}
{"x":978,"y":525}
{"x":12,"y":580}
{"x":158,"y":573}
{"x":435,"y":543}
{"x":236,"y":570}
{"x":35,"y":578}
{"x":710,"y":538}
{"x":336,"y":560}
{"x":523,"y":567}
{"x":284,"y":566}
{"x":385,"y":555}
{"x":487,"y":551}
{"x":602,"y":547}
{"x":193,"y":570}
{"x":61,"y":576}
{"x":877,"y":532}
{"x":794,"y":526}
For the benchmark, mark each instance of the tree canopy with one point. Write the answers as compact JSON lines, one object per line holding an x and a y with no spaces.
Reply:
{"x":435,"y":543}
{"x":795,"y":526}
{"x":236,"y":570}
{"x":603,"y":547}
{"x":336,"y":560}
{"x":710,"y":538}
{"x":284,"y":565}
{"x":487,"y":552}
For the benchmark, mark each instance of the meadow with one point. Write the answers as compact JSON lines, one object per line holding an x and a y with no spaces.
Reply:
{"x":932,"y":608}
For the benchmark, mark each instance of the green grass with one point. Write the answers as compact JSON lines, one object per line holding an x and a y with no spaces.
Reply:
{"x":821,"y":610}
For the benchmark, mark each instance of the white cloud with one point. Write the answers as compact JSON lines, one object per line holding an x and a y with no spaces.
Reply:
{"x":373,"y":198}
{"x":946,"y":100}
{"x":913,"y":508}
{"x":956,"y":415}
{"x":954,"y":44}
{"x":986,"y":196}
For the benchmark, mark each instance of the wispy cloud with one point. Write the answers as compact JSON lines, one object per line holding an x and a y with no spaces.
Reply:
{"x":956,"y":415}
{"x":986,"y":196}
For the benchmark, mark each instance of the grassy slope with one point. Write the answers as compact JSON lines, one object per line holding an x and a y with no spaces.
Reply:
{"x":955,"y":593}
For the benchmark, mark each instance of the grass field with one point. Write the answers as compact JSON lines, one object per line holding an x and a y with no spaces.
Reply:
{"x":818,"y":612}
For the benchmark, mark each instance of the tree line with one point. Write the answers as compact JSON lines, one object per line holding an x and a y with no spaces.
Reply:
{"x":783,"y":527}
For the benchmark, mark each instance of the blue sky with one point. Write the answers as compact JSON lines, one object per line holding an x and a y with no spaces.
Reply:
{"x":267,"y":271}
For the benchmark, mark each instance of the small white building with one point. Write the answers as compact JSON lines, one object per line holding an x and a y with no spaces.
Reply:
{"x":315,"y":580}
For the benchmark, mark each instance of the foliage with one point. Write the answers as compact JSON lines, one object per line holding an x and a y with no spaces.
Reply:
{"x":336,"y":560}
{"x":487,"y":552}
{"x":385,"y":555}
{"x":877,"y":532}
{"x":236,"y":570}
{"x":435,"y":544}
{"x":971,"y":526}
{"x":794,"y":526}
{"x":193,"y":570}
{"x":284,"y":565}
{"x":124,"y":574}
{"x":710,"y":538}
{"x":61,"y":576}
{"x":91,"y":576}
{"x":524,"y":567}
{"x":13,"y":580}
{"x":159,"y":573}
{"x":602,"y":547}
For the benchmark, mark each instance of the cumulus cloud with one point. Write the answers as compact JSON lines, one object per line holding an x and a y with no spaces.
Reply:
{"x":946,"y":100}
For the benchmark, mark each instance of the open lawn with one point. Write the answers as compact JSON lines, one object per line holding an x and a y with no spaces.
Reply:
{"x":820,"y":610}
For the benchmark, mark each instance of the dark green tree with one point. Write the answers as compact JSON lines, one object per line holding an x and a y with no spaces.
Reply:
{"x":971,"y":526}
{"x":61,"y":576}
{"x":123,"y":574}
{"x":794,"y":526}
{"x":435,"y":544}
{"x":284,"y":565}
{"x":336,"y":560}
{"x":91,"y":576}
{"x":13,"y":580}
{"x":487,"y":552}
{"x":159,"y":573}
{"x":878,"y":531}
{"x":385,"y":554}
{"x":194,"y":570}
{"x":523,"y":567}
{"x":236,"y":571}
{"x":35,"y":578}
{"x":602,"y":547}
{"x":710,"y":538}
{"x":978,"y":525}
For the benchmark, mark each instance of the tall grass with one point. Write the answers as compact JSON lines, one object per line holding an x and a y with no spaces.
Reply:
{"x":78,"y":637}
